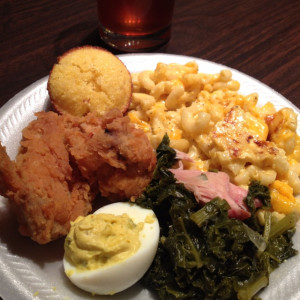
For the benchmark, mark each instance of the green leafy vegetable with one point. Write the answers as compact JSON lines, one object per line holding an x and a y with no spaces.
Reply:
{"x":262,"y":193}
{"x":288,"y":222}
{"x":203,"y":254}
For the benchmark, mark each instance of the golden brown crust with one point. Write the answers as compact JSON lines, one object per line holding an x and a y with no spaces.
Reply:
{"x":64,"y":161}
{"x":111,"y":153}
{"x":89,"y":79}
{"x":45,"y":190}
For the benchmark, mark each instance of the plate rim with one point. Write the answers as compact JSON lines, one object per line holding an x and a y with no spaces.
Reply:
{"x":44,"y":79}
{"x":26,"y":92}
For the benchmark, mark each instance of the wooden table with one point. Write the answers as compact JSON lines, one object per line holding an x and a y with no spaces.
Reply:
{"x":259,"y":37}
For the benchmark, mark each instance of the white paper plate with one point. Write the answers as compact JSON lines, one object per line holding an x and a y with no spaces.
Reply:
{"x":30,"y":271}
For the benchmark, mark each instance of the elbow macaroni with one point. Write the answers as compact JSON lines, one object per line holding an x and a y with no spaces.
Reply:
{"x":206,"y":117}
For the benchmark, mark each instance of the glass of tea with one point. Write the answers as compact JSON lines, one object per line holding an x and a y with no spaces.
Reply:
{"x":135,"y":25}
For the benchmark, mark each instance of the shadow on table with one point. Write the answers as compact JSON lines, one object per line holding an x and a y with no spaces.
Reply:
{"x":85,"y":34}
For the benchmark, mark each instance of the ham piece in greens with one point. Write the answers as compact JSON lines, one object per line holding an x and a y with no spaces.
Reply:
{"x":209,"y":185}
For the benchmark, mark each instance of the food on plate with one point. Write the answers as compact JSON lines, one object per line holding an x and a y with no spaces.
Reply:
{"x":206,"y":117}
{"x":109,"y":251}
{"x":89,"y":79}
{"x":45,"y":190}
{"x":209,"y":185}
{"x":205,"y":252}
{"x":111,"y":154}
{"x":64,"y":161}
{"x":223,"y":193}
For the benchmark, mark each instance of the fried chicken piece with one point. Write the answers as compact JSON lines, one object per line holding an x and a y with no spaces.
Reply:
{"x":45,"y":191}
{"x":111,"y":153}
{"x":64,"y":160}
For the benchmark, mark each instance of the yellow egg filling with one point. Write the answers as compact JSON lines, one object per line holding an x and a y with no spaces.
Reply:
{"x":101,"y":240}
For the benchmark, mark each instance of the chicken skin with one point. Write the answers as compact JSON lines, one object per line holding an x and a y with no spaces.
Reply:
{"x":45,"y":191}
{"x":111,"y":154}
{"x":64,"y":161}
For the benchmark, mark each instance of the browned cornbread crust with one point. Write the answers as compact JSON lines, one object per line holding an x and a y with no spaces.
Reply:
{"x":89,"y":79}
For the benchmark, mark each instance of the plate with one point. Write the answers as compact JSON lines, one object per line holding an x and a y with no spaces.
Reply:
{"x":31,"y":271}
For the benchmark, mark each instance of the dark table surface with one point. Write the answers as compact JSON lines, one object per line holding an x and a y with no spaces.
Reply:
{"x":259,"y":37}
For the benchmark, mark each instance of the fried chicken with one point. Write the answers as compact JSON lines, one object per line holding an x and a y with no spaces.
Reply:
{"x":64,"y":161}
{"x":111,"y":153}
{"x":46,"y":193}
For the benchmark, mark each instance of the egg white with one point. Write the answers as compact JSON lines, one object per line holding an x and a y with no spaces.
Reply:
{"x":116,"y":278}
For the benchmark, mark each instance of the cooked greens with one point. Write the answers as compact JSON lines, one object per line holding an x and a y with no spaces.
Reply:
{"x":204,"y":254}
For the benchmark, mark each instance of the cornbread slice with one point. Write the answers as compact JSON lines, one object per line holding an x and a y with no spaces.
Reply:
{"x":89,"y":79}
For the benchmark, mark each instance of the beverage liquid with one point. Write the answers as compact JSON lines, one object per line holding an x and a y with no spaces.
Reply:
{"x":135,"y":18}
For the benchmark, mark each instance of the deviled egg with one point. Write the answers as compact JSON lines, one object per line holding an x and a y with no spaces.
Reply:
{"x":110,"y":250}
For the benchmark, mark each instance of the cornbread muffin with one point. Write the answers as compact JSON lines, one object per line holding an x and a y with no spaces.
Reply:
{"x":89,"y":79}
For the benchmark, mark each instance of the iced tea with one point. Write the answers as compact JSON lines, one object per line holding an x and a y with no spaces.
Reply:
{"x":135,"y":24}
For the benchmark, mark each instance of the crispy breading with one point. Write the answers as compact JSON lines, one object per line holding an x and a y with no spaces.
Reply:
{"x":44,"y":190}
{"x":64,"y":161}
{"x":111,"y":153}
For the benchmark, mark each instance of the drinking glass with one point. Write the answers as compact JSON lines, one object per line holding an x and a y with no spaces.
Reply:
{"x":135,"y":25}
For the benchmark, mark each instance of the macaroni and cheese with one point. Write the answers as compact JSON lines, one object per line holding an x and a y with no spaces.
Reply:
{"x":205,"y":116}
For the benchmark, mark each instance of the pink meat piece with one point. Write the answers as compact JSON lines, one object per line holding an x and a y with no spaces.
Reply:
{"x":183,"y":156}
{"x":208,"y":185}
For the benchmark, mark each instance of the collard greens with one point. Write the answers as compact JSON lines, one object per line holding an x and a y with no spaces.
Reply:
{"x":203,"y":254}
